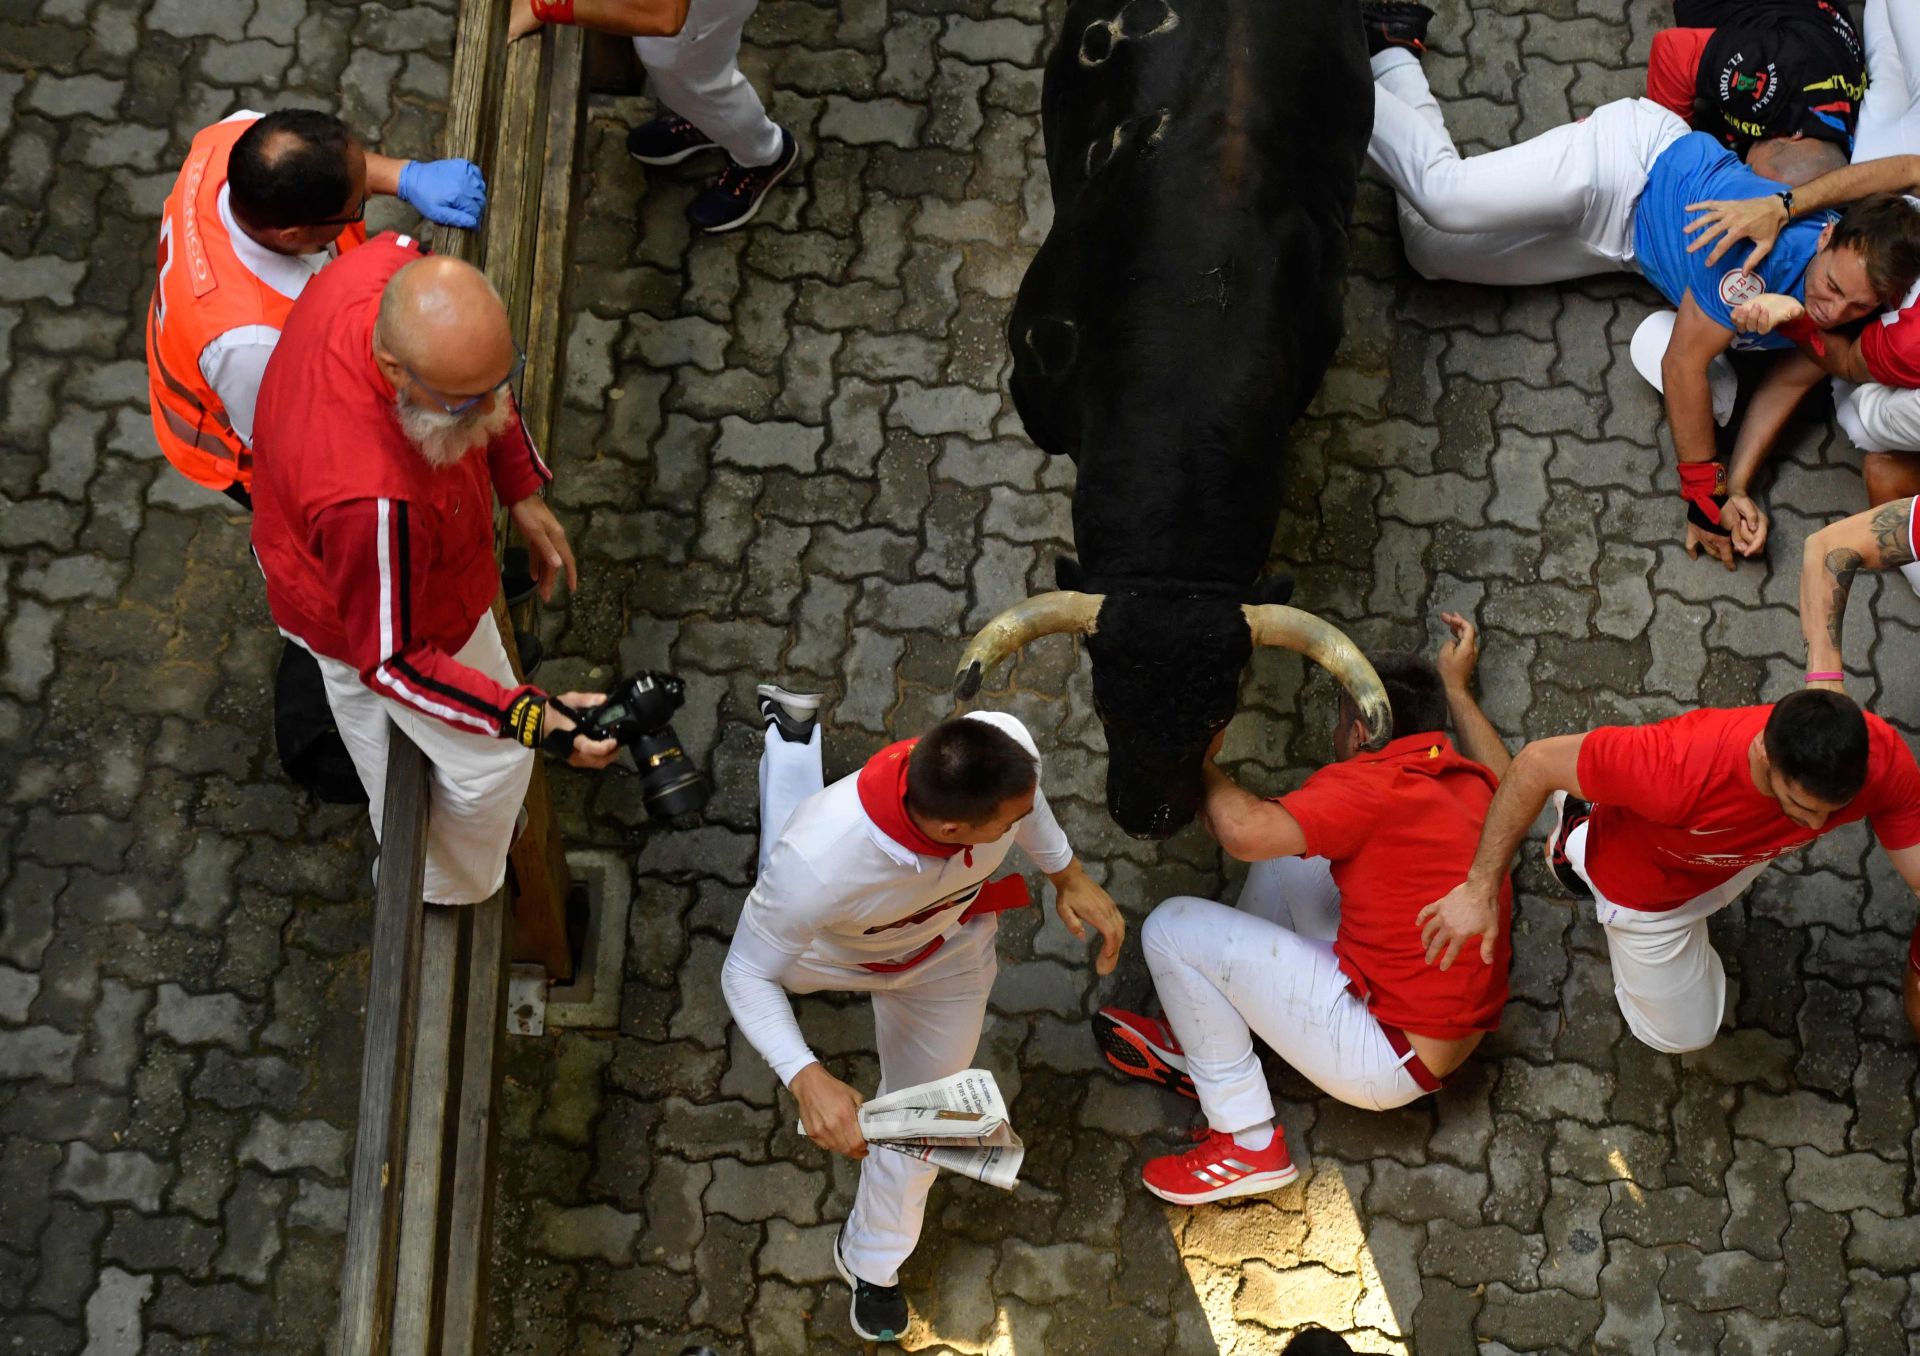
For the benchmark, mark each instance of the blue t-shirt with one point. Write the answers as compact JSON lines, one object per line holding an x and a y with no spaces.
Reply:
{"x":1694,"y":169}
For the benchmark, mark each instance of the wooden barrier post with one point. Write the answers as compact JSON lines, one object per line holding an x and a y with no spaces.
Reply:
{"x":515,"y":110}
{"x":414,"y":1281}
{"x":367,"y":1275}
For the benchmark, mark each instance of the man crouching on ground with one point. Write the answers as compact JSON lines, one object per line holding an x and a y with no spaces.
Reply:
{"x":1322,"y":958}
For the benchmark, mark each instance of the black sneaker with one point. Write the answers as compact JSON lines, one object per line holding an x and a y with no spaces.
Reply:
{"x":879,"y":1312}
{"x":732,"y":199}
{"x":1573,"y":813}
{"x":667,"y":140}
{"x":1395,"y":23}
{"x":794,"y":714}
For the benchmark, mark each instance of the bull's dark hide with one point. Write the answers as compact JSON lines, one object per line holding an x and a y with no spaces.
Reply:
{"x":1144,"y":650}
{"x":1178,"y":318}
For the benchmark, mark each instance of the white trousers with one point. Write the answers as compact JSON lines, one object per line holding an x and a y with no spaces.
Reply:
{"x":477,"y":783}
{"x":1886,"y":418}
{"x":926,"y":1025}
{"x":697,"y":74}
{"x":1268,"y":967}
{"x":1557,"y":207}
{"x":1667,"y":978}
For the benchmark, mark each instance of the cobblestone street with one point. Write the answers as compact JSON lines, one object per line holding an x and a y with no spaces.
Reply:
{"x":789,"y":452}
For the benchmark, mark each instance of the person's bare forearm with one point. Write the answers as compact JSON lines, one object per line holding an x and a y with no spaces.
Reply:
{"x":1231,"y":810}
{"x":1835,"y":354}
{"x":1772,"y":405}
{"x":622,"y":18}
{"x":1689,"y":402}
{"x":1879,"y":539}
{"x":1478,"y":739}
{"x":1891,"y":174}
{"x":383,"y":174}
{"x":1523,"y":792}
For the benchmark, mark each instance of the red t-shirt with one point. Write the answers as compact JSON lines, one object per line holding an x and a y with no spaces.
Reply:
{"x":1677,"y":813}
{"x":1673,"y":68}
{"x":1400,"y":827}
{"x":1890,"y":344}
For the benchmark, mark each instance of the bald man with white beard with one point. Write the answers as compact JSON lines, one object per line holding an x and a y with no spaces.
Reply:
{"x":385,"y":429}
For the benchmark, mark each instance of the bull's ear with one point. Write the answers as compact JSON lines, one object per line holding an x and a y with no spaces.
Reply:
{"x":1067,"y":574}
{"x":1272,"y":589}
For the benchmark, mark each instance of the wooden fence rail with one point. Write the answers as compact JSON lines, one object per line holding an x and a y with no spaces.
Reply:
{"x":419,"y":1221}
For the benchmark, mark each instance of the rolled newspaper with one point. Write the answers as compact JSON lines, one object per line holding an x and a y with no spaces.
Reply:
{"x":958,"y":1123}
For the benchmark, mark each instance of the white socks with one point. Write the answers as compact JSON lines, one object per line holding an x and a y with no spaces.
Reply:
{"x":1912,"y":571}
{"x":1255,"y":1137}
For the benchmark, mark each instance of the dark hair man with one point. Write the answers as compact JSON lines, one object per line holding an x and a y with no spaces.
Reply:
{"x":261,"y":205}
{"x":1664,"y":825}
{"x":879,"y":884}
{"x":385,"y":431}
{"x":1322,"y":959}
{"x":1610,"y":193}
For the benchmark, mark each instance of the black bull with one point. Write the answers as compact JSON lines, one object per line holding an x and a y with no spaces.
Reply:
{"x":1178,"y":318}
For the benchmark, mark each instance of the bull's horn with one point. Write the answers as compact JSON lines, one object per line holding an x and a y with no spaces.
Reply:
{"x":1326,"y":645}
{"x":1044,"y":614}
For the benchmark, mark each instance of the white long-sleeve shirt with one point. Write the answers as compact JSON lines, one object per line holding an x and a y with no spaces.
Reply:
{"x":840,"y":893}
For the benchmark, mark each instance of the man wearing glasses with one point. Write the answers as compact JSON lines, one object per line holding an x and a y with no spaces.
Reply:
{"x":384,"y":431}
{"x":261,"y":205}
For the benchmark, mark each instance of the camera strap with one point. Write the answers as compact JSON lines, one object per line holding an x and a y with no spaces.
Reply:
{"x":559,"y":743}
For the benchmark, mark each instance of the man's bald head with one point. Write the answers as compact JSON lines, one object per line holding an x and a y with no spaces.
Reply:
{"x":1796,"y":160}
{"x":442,"y":340}
{"x":441,"y":319}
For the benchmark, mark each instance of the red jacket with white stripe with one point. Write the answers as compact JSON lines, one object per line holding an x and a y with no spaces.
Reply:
{"x":372,"y":556}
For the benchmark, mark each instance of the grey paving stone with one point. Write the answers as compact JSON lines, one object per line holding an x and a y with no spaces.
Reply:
{"x":201,"y":1019}
{"x":113,"y":1313}
{"x":124,"y":1175}
{"x":42,"y":1052}
{"x":587,"y":1231}
{"x":288,"y":1146}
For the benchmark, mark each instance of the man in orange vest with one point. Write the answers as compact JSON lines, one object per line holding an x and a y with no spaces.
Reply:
{"x":261,"y":205}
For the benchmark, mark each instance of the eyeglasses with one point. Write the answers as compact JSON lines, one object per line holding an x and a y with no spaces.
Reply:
{"x":359,"y":214}
{"x":462,"y":406}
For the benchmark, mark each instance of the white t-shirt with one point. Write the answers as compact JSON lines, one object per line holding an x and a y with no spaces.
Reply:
{"x":838,"y":892}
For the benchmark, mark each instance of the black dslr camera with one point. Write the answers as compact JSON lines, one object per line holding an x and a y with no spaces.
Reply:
{"x":636,"y":713}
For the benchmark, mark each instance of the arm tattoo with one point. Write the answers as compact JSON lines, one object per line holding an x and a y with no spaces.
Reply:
{"x":1891,"y":535}
{"x":1841,"y":565}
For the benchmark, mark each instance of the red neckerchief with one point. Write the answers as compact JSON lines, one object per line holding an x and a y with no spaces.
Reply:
{"x":883,"y":795}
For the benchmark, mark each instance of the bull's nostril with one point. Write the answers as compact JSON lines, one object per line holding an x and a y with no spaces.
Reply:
{"x":1096,"y":44}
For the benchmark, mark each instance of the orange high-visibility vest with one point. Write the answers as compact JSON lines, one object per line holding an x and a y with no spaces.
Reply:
{"x":202,"y":291}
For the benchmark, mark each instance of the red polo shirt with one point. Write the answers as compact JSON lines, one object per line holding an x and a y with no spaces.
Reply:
{"x":372,"y":556}
{"x":1676,"y":811}
{"x":1400,"y":827}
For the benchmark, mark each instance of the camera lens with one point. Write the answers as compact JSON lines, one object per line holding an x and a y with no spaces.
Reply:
{"x":670,"y":785}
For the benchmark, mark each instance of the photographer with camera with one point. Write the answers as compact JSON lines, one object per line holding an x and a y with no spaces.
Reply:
{"x":880,"y":884}
{"x":384,"y":429}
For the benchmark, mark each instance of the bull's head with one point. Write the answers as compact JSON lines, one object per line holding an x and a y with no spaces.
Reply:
{"x":1166,"y":676}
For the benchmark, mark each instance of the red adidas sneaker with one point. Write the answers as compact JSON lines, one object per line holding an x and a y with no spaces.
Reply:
{"x":1143,"y":1047}
{"x":1217,"y":1169}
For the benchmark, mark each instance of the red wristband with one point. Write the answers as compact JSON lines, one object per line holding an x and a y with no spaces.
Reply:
{"x":1803,"y":331}
{"x":1704,"y":485}
{"x":553,"y":11}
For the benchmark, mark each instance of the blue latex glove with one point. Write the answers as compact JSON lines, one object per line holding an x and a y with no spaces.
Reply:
{"x":450,"y":192}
